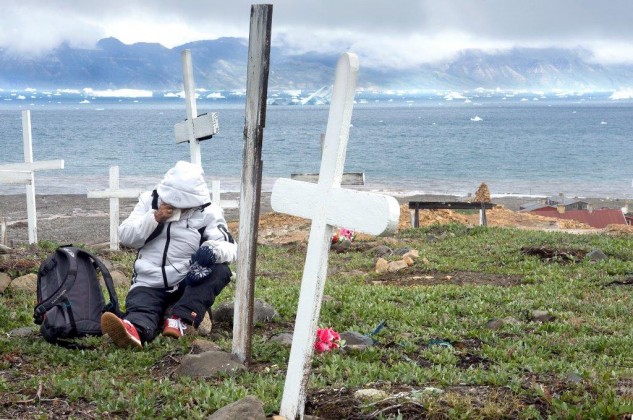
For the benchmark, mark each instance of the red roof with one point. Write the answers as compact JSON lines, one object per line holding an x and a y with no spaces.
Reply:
{"x":598,"y":218}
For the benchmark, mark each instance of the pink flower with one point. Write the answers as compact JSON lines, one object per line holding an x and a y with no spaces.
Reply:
{"x":326,"y":340}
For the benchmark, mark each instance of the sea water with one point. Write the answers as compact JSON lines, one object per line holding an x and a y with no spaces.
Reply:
{"x":572,"y":146}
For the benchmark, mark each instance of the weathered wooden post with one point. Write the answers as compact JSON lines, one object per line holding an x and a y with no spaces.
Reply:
{"x":254,"y":122}
{"x":196,"y":127}
{"x":24,"y":173}
{"x":328,"y":205}
{"x":114,"y":193}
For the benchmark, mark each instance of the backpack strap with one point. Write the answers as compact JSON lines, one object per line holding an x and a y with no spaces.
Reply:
{"x":60,"y":293}
{"x":113,"y":305}
{"x":160,"y":226}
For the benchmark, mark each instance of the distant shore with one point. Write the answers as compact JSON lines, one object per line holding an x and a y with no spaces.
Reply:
{"x":76,"y":219}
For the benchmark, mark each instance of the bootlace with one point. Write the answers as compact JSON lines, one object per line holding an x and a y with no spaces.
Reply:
{"x":176,"y":323}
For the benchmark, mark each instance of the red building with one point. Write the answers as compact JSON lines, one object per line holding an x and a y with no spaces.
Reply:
{"x":598,"y":219}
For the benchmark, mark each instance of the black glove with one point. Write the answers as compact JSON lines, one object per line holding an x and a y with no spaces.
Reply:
{"x":202,"y":264}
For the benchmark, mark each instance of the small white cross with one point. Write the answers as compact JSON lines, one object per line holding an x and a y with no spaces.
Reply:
{"x":24,"y":173}
{"x":328,"y":205}
{"x":195,"y":128}
{"x":114,"y":193}
{"x":217,"y":198}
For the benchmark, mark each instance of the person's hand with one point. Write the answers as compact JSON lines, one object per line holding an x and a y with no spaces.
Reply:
{"x":164,"y":212}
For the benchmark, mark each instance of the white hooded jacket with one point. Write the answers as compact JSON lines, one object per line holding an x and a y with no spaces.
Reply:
{"x":164,"y":250}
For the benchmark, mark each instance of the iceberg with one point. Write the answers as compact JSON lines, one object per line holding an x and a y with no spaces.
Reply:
{"x":215,"y":95}
{"x":621,"y":94}
{"x":85,"y":101}
{"x":119,"y":93}
{"x":453,"y":95}
{"x":476,"y":118}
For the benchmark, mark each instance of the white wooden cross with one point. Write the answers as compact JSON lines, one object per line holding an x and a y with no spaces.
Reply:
{"x":24,"y":173}
{"x":196,"y":127}
{"x":114,"y":193}
{"x":217,"y":198}
{"x":328,"y":205}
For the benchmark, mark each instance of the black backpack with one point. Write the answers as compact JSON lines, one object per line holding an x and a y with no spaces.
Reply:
{"x":69,"y":296}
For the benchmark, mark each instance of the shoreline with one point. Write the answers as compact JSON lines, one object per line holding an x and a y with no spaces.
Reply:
{"x":74,"y":218}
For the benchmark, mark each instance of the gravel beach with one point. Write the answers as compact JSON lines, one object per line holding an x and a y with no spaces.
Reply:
{"x":77,"y":219}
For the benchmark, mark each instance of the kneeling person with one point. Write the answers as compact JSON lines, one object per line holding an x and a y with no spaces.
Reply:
{"x":184,"y":249}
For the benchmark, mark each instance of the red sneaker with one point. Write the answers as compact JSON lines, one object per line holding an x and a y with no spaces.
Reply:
{"x":174,"y":327}
{"x":121,"y":331}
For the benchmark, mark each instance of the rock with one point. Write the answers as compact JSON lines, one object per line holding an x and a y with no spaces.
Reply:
{"x":22,"y":332}
{"x":425,"y":261}
{"x":208,"y":364}
{"x":5,"y":280}
{"x":432,"y":390}
{"x":511,"y":321}
{"x":401,"y":251}
{"x":396,"y":266}
{"x":27,"y":282}
{"x":541,"y":316}
{"x":356,"y":341}
{"x":574,"y":378}
{"x":200,"y":346}
{"x":246,"y":408}
{"x":431,"y":238}
{"x":370,"y":394}
{"x":380,"y":251}
{"x":342,"y":246}
{"x":413,"y":254}
{"x":494,"y":324}
{"x":120,"y":279}
{"x":206,"y":325}
{"x":382,"y":266}
{"x":262,"y":312}
{"x":596,"y":255}
{"x":282,"y":338}
{"x":408,"y":260}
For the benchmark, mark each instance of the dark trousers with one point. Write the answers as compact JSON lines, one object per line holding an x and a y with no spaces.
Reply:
{"x":146,"y":307}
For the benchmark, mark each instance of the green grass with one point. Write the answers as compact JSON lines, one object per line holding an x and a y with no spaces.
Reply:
{"x":578,"y":365}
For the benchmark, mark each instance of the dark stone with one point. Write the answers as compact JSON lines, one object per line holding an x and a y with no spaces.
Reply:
{"x":494,"y":324}
{"x":402,"y":251}
{"x":380,"y":251}
{"x":262,"y":312}
{"x":597,"y":255}
{"x":200,"y":346}
{"x":574,"y":378}
{"x":356,"y":341}
{"x":246,"y":408}
{"x":282,"y":338}
{"x":5,"y":280}
{"x":22,"y":332}
{"x":208,"y":364}
{"x":541,"y":316}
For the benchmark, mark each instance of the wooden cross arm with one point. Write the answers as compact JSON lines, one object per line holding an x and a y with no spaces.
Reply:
{"x":204,"y":126}
{"x":16,"y":177}
{"x":124,"y":193}
{"x":361,"y":211}
{"x":459,"y":205}
{"x":42,"y":165}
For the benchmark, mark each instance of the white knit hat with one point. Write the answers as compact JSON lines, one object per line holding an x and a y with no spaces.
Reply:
{"x":184,"y":186}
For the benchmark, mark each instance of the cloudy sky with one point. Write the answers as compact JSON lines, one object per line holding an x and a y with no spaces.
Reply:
{"x":391,"y":33}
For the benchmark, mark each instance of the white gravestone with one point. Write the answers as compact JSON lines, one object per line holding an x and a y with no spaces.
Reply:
{"x":114,"y":193}
{"x":24,"y":173}
{"x":328,"y":205}
{"x":195,"y":128}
